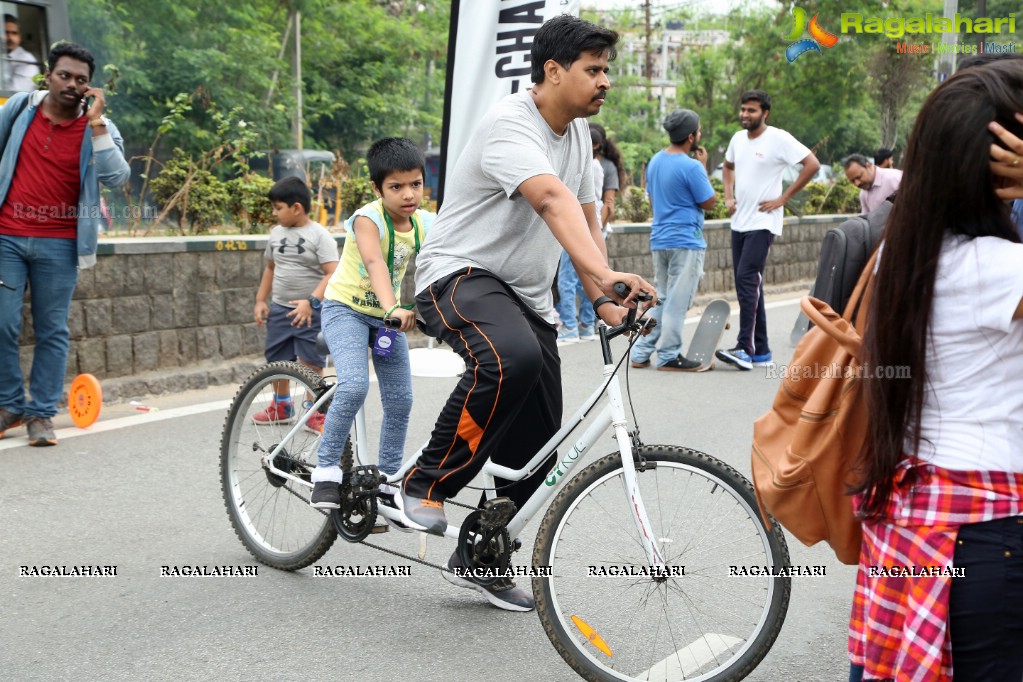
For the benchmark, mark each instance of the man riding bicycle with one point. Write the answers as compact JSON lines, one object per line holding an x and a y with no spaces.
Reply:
{"x":521,"y":190}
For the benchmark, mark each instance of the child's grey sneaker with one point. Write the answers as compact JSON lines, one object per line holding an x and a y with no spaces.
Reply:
{"x":503,"y":593}
{"x":40,"y":431}
{"x":326,"y":495}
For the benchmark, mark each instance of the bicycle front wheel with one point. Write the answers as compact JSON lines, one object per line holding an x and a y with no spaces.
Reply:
{"x":270,"y":514}
{"x":712,"y":614}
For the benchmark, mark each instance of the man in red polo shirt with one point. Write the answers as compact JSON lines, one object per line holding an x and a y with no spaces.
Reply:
{"x":59,"y":148}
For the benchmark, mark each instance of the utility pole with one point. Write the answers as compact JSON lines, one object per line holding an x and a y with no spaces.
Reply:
{"x":981,"y":12}
{"x":296,"y":120}
{"x":947,"y":60}
{"x":649,"y":55}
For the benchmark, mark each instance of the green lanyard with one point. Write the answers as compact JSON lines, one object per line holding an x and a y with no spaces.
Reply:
{"x":390,"y":248}
{"x":390,"y":234}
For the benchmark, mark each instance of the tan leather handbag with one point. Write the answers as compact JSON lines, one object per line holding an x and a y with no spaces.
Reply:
{"x":805,"y":447}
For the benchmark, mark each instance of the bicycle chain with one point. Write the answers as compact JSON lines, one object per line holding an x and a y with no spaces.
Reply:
{"x":385,"y":549}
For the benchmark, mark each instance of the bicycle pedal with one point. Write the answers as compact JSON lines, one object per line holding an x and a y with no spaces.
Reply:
{"x":497,"y":512}
{"x":365,"y":478}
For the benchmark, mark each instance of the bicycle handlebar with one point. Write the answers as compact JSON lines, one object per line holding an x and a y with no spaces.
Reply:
{"x":630,"y":324}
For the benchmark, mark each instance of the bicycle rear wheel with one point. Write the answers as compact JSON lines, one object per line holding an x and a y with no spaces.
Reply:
{"x":611,"y":621}
{"x":270,"y":514}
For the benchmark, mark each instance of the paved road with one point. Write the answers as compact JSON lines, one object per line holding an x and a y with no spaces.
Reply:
{"x":141,"y":491}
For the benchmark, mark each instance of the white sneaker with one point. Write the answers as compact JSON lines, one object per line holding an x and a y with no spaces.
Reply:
{"x":387,"y":499}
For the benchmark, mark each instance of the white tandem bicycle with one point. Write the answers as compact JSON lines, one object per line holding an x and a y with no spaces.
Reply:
{"x":639,"y":546}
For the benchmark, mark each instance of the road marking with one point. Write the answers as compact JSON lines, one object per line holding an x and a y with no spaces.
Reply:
{"x":689,"y":660}
{"x":693,"y":319}
{"x":18,"y":441}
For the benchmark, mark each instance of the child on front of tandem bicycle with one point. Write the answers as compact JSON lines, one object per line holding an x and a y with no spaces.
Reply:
{"x":362,"y":293}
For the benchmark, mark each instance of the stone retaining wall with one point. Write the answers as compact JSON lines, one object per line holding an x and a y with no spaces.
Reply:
{"x":164,"y":303}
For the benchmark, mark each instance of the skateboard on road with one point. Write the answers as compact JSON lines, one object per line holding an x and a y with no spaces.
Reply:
{"x":709,"y":331}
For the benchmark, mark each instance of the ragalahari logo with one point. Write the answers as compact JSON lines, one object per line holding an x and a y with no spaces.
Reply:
{"x":818,"y":36}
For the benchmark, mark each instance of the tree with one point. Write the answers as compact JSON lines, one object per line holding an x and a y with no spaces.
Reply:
{"x":365,"y":68}
{"x":893,"y":80}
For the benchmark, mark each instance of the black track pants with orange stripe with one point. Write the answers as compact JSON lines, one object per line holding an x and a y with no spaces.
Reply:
{"x":507,"y":404}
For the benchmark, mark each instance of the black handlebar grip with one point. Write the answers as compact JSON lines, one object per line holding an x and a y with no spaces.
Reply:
{"x":392,"y":322}
{"x":622,"y":289}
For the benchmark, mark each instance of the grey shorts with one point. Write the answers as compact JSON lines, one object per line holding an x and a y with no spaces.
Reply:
{"x":284,"y":342}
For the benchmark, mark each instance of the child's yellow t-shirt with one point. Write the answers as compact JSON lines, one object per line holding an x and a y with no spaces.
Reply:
{"x":350,"y":282}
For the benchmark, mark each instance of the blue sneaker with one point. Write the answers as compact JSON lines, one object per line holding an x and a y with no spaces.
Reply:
{"x":566,"y":337}
{"x":763,"y":360}
{"x":735,"y":356}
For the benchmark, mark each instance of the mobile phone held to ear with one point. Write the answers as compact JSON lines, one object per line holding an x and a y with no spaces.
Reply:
{"x":87,"y":102}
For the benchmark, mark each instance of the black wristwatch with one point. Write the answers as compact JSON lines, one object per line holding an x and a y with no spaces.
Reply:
{"x":601,"y":301}
{"x":315,"y":302}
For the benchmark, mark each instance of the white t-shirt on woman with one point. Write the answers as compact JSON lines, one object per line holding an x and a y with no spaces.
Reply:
{"x":972,"y":417}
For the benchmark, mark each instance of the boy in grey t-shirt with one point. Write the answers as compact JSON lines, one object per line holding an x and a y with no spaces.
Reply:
{"x":521,"y":190}
{"x":300,"y":258}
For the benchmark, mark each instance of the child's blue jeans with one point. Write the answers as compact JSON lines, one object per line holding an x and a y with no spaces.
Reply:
{"x":349,"y":335}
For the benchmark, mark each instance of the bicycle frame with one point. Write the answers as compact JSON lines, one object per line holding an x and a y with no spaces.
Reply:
{"x":612,"y":415}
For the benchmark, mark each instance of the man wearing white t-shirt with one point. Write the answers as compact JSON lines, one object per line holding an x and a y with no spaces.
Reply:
{"x":756,"y":157}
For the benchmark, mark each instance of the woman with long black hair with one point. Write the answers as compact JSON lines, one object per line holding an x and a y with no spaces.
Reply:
{"x":940,"y":582}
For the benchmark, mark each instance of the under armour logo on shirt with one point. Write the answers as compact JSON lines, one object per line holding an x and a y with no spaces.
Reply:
{"x":298,"y":247}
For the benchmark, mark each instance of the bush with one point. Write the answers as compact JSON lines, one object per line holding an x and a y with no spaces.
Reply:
{"x":194,"y":195}
{"x":829,"y":198}
{"x":249,"y":206}
{"x":356,"y":192}
{"x":719,"y":212}
{"x":635,"y":206}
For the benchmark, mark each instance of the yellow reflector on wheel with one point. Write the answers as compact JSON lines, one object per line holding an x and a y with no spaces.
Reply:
{"x":591,"y":635}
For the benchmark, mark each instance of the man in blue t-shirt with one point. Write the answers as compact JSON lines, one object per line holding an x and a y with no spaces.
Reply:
{"x":679,"y":193}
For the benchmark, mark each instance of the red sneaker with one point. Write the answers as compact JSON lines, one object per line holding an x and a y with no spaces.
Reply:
{"x":315,"y":423}
{"x":277,"y":413}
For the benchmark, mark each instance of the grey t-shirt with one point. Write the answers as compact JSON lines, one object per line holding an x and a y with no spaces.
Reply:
{"x":298,"y":254}
{"x":486,"y":223}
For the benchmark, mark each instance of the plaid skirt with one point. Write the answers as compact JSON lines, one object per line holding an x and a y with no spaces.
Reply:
{"x":899,"y":623}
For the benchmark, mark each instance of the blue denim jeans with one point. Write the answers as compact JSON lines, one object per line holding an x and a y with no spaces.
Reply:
{"x":349,"y":334}
{"x":569,"y":288}
{"x":50,"y":269}
{"x":677,"y":273}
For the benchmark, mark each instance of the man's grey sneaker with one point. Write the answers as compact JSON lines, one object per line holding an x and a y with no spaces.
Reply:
{"x":735,"y":356}
{"x":40,"y":431}
{"x":502,"y":593}
{"x":421,"y":514}
{"x":679,"y":364}
{"x":762,"y":360}
{"x":326,"y":495}
{"x":9,"y":420}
